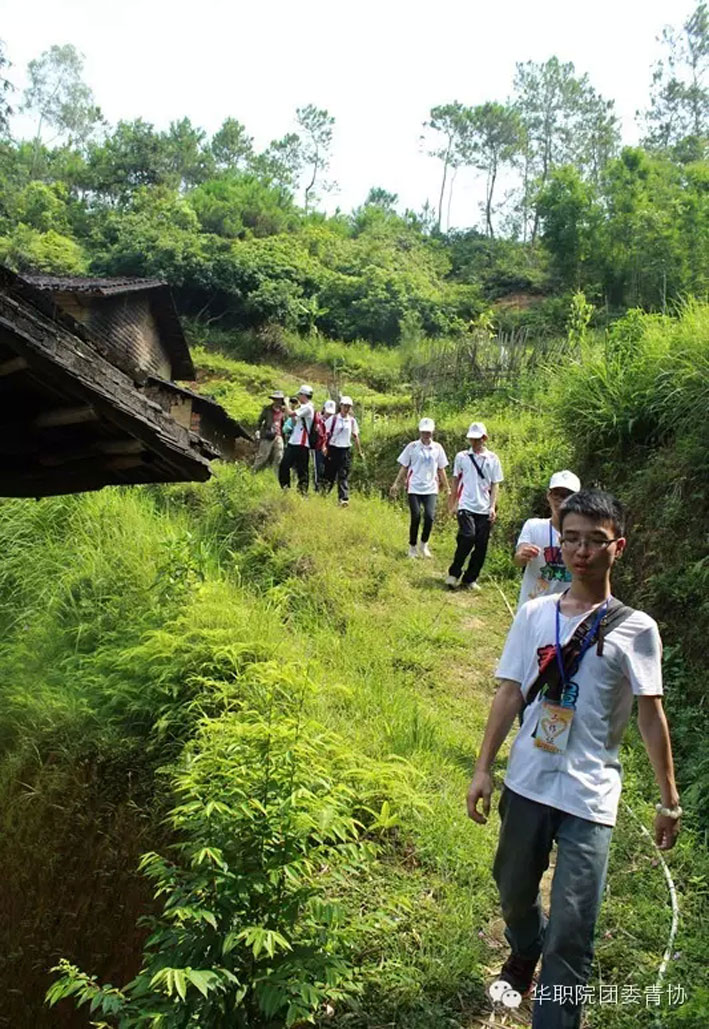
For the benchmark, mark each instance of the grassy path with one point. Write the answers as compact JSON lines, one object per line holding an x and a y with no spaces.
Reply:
{"x":410,"y":668}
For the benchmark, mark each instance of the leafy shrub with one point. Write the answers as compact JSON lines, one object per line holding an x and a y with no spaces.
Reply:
{"x":272,"y":820}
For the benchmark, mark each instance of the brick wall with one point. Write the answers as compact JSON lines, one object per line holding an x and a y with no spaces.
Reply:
{"x":127,"y":326}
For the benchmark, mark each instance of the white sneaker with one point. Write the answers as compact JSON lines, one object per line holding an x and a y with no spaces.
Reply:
{"x":473,"y":586}
{"x":424,"y":550}
{"x":450,"y":580}
{"x":413,"y":552}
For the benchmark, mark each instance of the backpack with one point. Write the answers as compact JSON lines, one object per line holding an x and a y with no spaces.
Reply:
{"x":317,"y":437}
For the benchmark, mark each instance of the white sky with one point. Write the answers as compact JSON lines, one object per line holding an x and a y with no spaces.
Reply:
{"x":378,"y":66}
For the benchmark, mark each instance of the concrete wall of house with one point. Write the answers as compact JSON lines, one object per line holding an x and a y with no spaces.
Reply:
{"x":127,"y":326}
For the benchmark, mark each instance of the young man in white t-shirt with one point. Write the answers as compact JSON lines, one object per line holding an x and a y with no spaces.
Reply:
{"x":477,"y":474}
{"x":297,"y":452}
{"x":538,"y":550}
{"x":341,"y":430}
{"x":423,"y":466}
{"x":563,"y":777}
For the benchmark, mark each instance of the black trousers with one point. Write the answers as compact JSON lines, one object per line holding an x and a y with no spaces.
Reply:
{"x":427,"y":501}
{"x":337,"y":467}
{"x":473,"y":534}
{"x":299,"y":458}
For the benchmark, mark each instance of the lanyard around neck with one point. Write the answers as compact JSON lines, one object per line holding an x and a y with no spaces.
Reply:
{"x":586,"y":643}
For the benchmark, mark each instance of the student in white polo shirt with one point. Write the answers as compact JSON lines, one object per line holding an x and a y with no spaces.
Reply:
{"x":539,"y":547}
{"x":423,"y":464}
{"x":477,"y":474}
{"x":297,"y":453}
{"x":341,"y":430}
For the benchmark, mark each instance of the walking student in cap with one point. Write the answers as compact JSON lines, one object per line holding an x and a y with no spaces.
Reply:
{"x":341,"y":429}
{"x":297,"y":453}
{"x":538,"y":548}
{"x":572,"y":664}
{"x":328,"y":409}
{"x":423,"y":466}
{"x":270,"y":433}
{"x":477,"y":474}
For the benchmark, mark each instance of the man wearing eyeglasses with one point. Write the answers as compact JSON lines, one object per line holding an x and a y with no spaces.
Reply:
{"x":538,"y":548}
{"x":573,"y":664}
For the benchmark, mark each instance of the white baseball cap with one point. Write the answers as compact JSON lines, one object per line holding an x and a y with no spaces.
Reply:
{"x":476,"y":431}
{"x":427,"y":425}
{"x":329,"y":407}
{"x":565,"y":480}
{"x":346,"y":400}
{"x":306,"y":390}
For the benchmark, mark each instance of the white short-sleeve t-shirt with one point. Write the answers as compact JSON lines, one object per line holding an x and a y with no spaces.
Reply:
{"x":584,"y":780}
{"x":546,"y":573}
{"x":474,"y":488}
{"x":303,"y":419}
{"x":340,"y":429}
{"x":423,"y":463}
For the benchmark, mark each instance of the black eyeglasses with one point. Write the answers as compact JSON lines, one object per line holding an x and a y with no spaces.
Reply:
{"x":594,"y":543}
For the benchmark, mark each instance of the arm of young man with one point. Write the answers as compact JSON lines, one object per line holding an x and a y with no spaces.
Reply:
{"x":453,"y":495}
{"x":398,"y":481}
{"x":506,"y":705}
{"x":494,"y":490}
{"x":526,"y":550}
{"x":652,"y":724}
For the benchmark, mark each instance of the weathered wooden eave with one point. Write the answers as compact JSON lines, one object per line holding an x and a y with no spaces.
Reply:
{"x":87,"y":384}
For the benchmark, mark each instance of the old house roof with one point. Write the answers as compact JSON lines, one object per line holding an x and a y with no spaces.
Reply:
{"x":203,"y":404}
{"x":160,"y":298}
{"x":71,"y":420}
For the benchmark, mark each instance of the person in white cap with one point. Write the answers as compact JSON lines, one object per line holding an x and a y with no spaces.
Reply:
{"x":423,"y":464}
{"x":477,"y":474}
{"x":539,"y":548}
{"x":297,"y":453}
{"x":341,"y":429}
{"x":270,"y":433}
{"x":328,"y":409}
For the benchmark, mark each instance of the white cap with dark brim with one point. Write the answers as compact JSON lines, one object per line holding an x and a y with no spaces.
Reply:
{"x":565,"y":480}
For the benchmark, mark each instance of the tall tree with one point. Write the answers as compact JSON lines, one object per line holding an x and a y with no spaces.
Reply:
{"x":316,"y":124}
{"x":6,"y":88}
{"x":133,"y":155}
{"x":231,"y":145}
{"x":60,"y":98}
{"x":566,"y":122}
{"x":452,"y":122}
{"x":494,"y":138}
{"x":679,"y":98}
{"x":281,"y":163}
{"x":569,"y":217}
{"x":378,"y":197}
{"x":190,"y":161}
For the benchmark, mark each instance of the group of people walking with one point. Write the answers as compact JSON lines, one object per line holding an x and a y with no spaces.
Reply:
{"x":472,"y":497}
{"x":289,"y":431}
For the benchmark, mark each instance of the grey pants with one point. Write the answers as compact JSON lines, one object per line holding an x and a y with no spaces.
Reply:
{"x":565,"y":941}
{"x":270,"y":452}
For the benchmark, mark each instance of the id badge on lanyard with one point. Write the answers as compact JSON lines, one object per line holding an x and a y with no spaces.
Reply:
{"x":551,"y":733}
{"x":553,"y":727}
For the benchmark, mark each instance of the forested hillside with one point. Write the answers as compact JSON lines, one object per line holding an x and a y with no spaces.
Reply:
{"x":237,"y":725}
